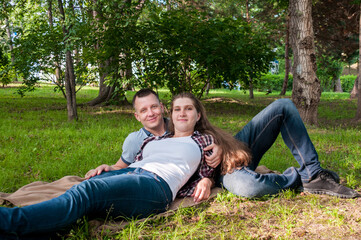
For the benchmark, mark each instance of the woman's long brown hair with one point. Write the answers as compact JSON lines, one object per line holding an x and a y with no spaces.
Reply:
{"x":235,"y":154}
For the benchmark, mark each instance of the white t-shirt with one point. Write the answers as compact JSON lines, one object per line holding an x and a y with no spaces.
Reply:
{"x":173,"y":159}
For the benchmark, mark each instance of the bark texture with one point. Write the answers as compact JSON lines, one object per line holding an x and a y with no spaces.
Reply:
{"x":306,"y":90}
{"x":354,"y":92}
{"x":358,"y":111}
{"x":338,"y":87}
{"x":287,"y":58}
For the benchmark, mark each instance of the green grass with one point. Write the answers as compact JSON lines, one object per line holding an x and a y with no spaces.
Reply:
{"x":38,"y":143}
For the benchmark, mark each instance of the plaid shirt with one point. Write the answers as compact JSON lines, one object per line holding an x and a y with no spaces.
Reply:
{"x":203,"y":170}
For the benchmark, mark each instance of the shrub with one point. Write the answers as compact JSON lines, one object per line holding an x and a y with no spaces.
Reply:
{"x":272,"y":82}
{"x":347,"y":82}
{"x":6,"y":72}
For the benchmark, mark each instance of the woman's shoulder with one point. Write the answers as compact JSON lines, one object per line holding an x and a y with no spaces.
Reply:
{"x":204,"y":137}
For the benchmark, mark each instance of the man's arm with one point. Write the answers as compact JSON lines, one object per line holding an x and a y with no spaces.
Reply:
{"x":106,"y":168}
{"x":215,"y":158}
{"x":131,"y":146}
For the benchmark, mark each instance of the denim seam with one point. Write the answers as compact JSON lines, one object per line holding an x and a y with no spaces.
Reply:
{"x":268,"y":123}
{"x":297,"y":149}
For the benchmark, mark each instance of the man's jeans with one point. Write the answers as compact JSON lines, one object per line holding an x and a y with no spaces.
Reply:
{"x":259,"y":134}
{"x":130,"y":192}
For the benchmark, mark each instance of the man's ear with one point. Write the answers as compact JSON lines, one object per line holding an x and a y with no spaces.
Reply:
{"x":136,"y":116}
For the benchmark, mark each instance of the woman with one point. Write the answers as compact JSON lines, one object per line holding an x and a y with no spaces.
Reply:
{"x":147,"y":186}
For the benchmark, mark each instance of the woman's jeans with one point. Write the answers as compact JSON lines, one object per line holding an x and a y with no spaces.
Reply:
{"x":259,"y":134}
{"x":129,"y":192}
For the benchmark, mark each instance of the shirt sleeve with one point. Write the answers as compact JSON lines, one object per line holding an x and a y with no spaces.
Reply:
{"x":203,"y":171}
{"x":131,"y":147}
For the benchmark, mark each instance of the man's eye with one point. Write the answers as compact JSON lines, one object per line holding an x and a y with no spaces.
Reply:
{"x":142,"y":111}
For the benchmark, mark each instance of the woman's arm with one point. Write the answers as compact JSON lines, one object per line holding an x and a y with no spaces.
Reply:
{"x":203,"y":171}
{"x":203,"y":189}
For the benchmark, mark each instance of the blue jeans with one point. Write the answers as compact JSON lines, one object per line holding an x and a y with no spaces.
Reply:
{"x":259,"y":134}
{"x":129,"y":192}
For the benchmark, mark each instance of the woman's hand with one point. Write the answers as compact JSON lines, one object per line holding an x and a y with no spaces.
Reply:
{"x":215,"y":159}
{"x":98,"y":170}
{"x":202,"y":190}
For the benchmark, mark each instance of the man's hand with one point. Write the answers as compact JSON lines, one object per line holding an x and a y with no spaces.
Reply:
{"x":98,"y":170}
{"x":106,"y":168}
{"x":202,"y":190}
{"x":215,"y":159}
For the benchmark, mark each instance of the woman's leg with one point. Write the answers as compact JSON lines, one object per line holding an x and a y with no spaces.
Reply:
{"x":129,"y":192}
{"x":259,"y":134}
{"x":262,"y":131}
{"x":247,"y":183}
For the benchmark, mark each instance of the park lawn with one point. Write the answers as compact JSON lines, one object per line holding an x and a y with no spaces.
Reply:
{"x":38,"y":143}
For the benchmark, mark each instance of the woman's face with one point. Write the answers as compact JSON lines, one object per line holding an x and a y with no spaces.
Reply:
{"x":184,"y":116}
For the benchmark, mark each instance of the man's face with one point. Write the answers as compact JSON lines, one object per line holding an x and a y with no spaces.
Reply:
{"x":149,"y":111}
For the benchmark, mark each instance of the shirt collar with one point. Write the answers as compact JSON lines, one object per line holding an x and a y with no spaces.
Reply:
{"x":149,"y":134}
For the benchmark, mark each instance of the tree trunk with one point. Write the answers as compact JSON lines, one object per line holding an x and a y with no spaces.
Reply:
{"x":11,"y":46}
{"x":8,"y":32}
{"x":287,"y":58}
{"x":70,"y":87}
{"x":208,"y":88}
{"x":354,"y":92}
{"x":56,"y":56}
{"x":103,"y":66}
{"x":105,"y":91}
{"x":251,"y":95}
{"x":338,"y":87}
{"x":306,"y":90}
{"x":358,"y":112}
{"x":69,"y":72}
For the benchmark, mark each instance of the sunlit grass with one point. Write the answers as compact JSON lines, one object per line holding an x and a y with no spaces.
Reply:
{"x":38,"y":143}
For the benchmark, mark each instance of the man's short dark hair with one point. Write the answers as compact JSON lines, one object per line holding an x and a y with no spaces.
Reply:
{"x":143,"y":93}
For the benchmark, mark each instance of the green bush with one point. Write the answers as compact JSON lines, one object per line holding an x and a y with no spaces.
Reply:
{"x":347,"y":82}
{"x":272,"y":82}
{"x":6,"y":71}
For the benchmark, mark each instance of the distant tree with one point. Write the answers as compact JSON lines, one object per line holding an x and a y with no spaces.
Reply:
{"x":69,"y":69}
{"x":335,"y":25}
{"x":306,"y":86}
{"x":114,"y":24}
{"x":336,"y":31}
{"x":329,"y":70}
{"x":186,"y":50}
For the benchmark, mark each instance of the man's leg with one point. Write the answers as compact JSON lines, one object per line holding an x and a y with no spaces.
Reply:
{"x":129,"y":193}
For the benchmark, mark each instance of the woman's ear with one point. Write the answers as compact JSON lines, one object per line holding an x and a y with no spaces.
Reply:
{"x":199,"y":117}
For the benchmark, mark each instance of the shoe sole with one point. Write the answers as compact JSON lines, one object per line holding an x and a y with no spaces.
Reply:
{"x":323,"y":192}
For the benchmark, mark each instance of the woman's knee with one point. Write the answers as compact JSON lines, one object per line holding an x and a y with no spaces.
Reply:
{"x":245,"y":185}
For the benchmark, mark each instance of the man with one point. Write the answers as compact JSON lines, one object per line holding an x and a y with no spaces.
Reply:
{"x":259,"y":134}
